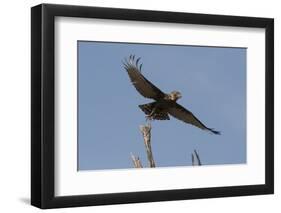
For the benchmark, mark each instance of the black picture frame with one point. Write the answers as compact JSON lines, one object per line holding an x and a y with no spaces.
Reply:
{"x":43,"y":113}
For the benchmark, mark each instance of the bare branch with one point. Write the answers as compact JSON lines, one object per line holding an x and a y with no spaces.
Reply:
{"x":192,"y":158}
{"x":146,"y":133}
{"x":136,"y":161}
{"x":197,"y":157}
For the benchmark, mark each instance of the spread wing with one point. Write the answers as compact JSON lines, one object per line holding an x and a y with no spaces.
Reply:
{"x":186,"y":116}
{"x":142,"y":85}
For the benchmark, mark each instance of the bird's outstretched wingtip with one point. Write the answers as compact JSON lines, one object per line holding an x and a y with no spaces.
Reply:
{"x":215,"y":132}
{"x":132,"y":63}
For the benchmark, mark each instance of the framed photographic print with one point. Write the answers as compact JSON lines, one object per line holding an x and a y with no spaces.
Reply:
{"x":140,"y":106}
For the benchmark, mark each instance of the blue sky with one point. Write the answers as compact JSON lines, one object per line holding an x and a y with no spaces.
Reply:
{"x":212,"y":81}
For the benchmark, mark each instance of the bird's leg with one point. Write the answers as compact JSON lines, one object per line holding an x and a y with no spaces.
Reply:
{"x":150,"y":116}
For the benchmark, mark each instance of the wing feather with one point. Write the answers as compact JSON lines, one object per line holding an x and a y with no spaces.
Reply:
{"x":142,"y":85}
{"x":186,"y":116}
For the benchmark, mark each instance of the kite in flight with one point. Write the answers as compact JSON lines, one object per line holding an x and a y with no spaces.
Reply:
{"x":164,"y":104}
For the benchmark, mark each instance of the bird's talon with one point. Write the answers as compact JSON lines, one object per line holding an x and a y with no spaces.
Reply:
{"x":148,"y":117}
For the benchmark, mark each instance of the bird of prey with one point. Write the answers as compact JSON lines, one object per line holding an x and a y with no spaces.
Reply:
{"x":163,"y":104}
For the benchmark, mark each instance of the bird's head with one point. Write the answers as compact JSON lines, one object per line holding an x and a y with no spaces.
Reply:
{"x":175,"y":95}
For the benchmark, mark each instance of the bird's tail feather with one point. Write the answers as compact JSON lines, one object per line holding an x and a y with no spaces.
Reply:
{"x":147,"y":108}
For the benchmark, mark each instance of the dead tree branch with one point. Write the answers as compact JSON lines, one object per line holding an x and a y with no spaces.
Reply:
{"x":192,"y":159}
{"x":136,"y":161}
{"x":197,"y":157}
{"x":146,"y":133}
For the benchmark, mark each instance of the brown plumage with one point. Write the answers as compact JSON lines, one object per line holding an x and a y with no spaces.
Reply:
{"x":164,"y":104}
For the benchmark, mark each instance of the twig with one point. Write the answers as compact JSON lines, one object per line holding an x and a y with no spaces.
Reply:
{"x":192,"y":159}
{"x":197,"y":157}
{"x":146,"y":133}
{"x":136,"y":161}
